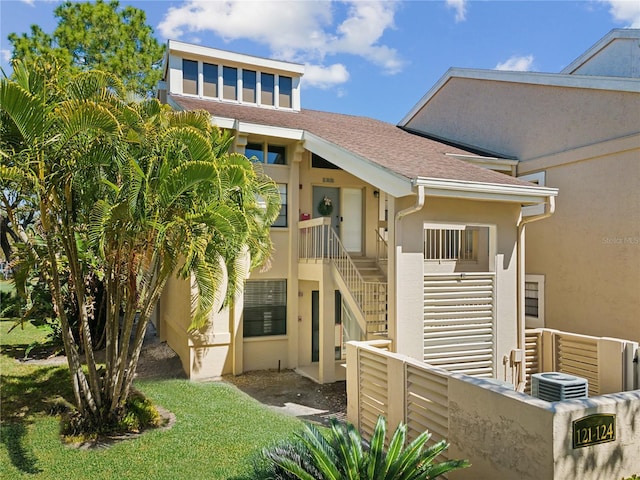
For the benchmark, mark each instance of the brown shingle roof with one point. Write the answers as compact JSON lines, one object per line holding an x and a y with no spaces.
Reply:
{"x":382,"y":143}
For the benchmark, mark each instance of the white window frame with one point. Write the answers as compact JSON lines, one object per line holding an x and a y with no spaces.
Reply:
{"x":533,"y":322}
{"x":539,"y":179}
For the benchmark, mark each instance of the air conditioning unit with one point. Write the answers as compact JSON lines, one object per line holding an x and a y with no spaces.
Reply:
{"x":556,"y":386}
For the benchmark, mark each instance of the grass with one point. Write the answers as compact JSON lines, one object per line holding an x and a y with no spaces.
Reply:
{"x":218,"y":429}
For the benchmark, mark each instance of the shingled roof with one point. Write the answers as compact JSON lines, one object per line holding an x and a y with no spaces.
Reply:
{"x":384,"y":144}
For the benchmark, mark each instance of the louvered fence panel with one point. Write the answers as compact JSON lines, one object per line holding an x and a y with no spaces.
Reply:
{"x":373,"y":390}
{"x":427,"y":404}
{"x":532,"y":356}
{"x":578,"y":355}
{"x":459,"y":323}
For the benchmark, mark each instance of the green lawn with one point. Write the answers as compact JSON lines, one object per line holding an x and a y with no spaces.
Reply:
{"x":218,"y":429}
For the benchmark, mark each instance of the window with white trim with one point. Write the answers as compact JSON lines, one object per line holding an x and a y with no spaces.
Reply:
{"x":537,"y":178}
{"x":265,"y":308}
{"x":210,"y":80}
{"x":229,"y":83}
{"x":266,"y":153}
{"x":223,"y":82}
{"x":281,"y":221}
{"x":534,"y":300}
{"x":190,"y":76}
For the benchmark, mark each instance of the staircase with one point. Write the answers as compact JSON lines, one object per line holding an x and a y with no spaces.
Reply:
{"x":362,"y":283}
{"x":372,"y":297}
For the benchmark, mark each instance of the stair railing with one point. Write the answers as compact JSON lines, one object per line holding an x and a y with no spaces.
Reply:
{"x":318,"y":241}
{"x":382,"y":248}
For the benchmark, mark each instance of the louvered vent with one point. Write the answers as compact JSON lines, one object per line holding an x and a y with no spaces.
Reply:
{"x":555,"y":386}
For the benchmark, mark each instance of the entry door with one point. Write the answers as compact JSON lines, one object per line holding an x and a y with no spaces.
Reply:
{"x":333,"y":194}
{"x":351,"y":234}
{"x":346,"y":217}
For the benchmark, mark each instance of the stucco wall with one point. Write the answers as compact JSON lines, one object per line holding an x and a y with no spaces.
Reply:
{"x":505,"y":435}
{"x":409,"y":306}
{"x":620,"y":58}
{"x":527,"y":121}
{"x":508,"y":435}
{"x":589,"y":250}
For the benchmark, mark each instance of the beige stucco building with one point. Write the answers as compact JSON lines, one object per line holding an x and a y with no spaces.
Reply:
{"x":578,"y":131}
{"x":383,"y":234}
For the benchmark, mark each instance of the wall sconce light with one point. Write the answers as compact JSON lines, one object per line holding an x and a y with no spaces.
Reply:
{"x":376,"y":193}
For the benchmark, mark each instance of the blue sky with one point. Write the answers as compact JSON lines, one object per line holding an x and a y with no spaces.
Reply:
{"x":372,"y":58}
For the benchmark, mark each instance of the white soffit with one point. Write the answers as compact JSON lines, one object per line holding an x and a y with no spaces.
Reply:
{"x":522,"y":194}
{"x":619,"y":84}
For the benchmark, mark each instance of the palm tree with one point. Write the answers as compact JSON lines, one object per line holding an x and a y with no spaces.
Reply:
{"x":342,"y":454}
{"x":131,"y":193}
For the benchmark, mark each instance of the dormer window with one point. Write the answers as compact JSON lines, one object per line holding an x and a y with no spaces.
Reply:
{"x":286,"y":89}
{"x":231,"y":77}
{"x":267,"y":84}
{"x":230,"y":82}
{"x":210,"y":80}
{"x":190,"y":77}
{"x":249,"y":86}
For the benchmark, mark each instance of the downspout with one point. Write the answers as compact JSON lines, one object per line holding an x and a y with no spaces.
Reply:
{"x":414,"y":208}
{"x":518,"y":357}
{"x":393,"y":254}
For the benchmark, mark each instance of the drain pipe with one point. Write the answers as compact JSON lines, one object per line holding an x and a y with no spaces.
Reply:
{"x":393,"y":264}
{"x":414,"y":208}
{"x":517,"y":356}
{"x":408,"y":211}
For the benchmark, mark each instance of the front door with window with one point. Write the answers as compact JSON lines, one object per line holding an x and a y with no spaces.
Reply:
{"x":326,"y":203}
{"x":346,"y":216}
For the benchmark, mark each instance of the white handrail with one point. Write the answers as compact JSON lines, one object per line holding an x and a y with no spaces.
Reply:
{"x":318,"y":241}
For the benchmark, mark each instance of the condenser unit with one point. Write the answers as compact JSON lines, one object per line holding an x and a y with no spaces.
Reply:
{"x":555,"y":386}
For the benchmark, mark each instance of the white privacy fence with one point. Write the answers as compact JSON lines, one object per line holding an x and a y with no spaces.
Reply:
{"x":400,"y":388}
{"x":609,"y":364}
{"x":503,"y":433}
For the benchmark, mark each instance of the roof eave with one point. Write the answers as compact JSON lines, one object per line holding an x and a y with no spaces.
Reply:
{"x":521,"y":194}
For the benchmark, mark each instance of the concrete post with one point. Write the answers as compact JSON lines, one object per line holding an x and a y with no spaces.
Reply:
{"x":353,"y":384}
{"x":610,"y":365}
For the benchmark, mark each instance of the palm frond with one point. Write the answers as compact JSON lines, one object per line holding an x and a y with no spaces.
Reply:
{"x":376,"y":450}
{"x":27,"y":112}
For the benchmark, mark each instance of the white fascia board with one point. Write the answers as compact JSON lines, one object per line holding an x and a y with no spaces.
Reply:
{"x":222,"y":122}
{"x":269,"y":131}
{"x":492,"y":163}
{"x":521,"y":194}
{"x":372,"y":173}
{"x":619,"y":84}
{"x":233,"y":57}
{"x":615,"y":34}
{"x":257,"y":129}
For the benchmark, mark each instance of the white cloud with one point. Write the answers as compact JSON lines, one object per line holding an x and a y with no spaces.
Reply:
{"x":460,"y":6}
{"x":625,"y":11}
{"x":325,"y":77}
{"x":299,"y":31}
{"x":517,"y":64}
{"x":5,"y":54}
{"x":28,"y":2}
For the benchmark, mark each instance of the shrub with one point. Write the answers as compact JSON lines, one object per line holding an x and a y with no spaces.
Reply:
{"x":343,"y":454}
{"x":139,"y":414}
